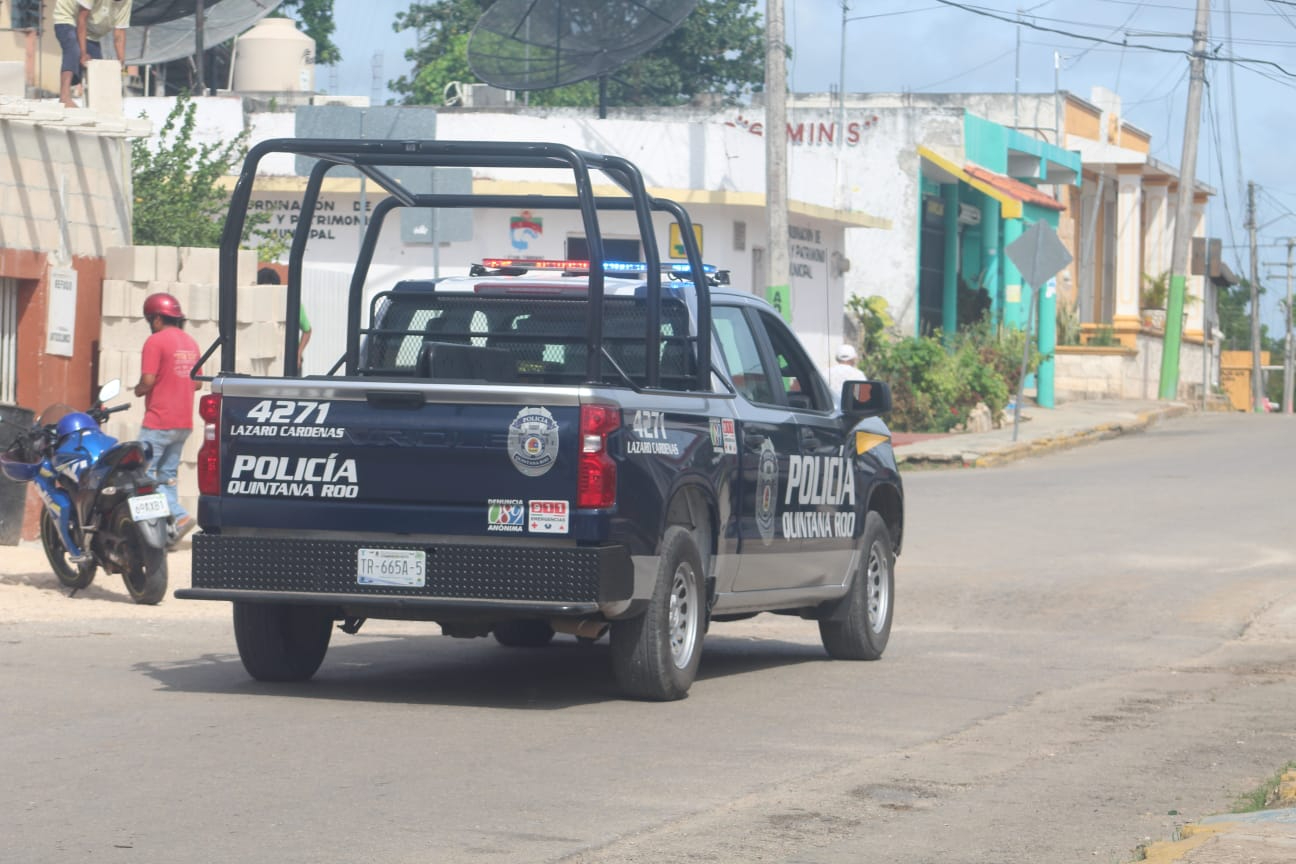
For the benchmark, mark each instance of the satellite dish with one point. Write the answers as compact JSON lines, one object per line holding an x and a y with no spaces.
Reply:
{"x":539,"y":44}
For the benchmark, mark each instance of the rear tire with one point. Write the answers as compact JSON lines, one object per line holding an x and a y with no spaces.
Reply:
{"x":280,"y":642}
{"x":656,"y":655}
{"x":858,"y":627}
{"x":524,"y":633}
{"x":74,"y":576}
{"x":144,"y":566}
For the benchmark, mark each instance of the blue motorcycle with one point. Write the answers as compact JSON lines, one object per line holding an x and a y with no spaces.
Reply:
{"x":101,"y":507}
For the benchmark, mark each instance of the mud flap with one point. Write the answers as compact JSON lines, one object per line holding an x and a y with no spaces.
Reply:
{"x":154,"y":532}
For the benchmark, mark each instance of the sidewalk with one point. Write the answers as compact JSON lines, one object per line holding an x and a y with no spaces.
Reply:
{"x":1263,"y":837}
{"x":1041,"y":430}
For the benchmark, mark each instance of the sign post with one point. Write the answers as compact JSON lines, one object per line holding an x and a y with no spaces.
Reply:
{"x":1038,"y":255}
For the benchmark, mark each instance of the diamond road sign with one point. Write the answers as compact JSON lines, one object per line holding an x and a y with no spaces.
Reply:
{"x":1038,"y":254}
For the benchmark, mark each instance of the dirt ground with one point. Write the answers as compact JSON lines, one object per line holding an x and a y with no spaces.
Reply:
{"x":31,"y":591}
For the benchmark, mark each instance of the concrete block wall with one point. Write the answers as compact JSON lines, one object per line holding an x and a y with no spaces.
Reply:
{"x":134,"y":272}
{"x":1089,"y":372}
{"x":62,"y":176}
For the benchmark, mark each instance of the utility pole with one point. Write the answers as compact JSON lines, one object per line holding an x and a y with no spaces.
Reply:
{"x":776,"y":175}
{"x":1017,"y":74}
{"x":200,"y":61}
{"x":1183,"y":211}
{"x":1257,"y":385}
{"x":1289,"y":360}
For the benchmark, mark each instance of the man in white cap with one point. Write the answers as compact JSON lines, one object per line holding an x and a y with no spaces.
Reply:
{"x":845,"y":369}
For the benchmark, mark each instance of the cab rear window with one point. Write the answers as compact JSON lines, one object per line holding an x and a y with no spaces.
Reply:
{"x":521,"y":339}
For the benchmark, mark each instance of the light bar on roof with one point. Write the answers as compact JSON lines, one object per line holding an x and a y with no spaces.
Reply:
{"x":584,"y":266}
{"x":533,"y":264}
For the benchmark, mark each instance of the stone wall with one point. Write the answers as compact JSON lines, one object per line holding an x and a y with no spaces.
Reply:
{"x":134,"y":272}
{"x":1119,"y":372}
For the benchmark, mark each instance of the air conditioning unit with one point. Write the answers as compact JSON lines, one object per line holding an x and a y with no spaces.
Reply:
{"x":486,"y":96}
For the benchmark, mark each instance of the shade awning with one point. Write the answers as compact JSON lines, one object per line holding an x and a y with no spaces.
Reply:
{"x":947,"y":171}
{"x":163,"y":30}
{"x":1023,"y":192}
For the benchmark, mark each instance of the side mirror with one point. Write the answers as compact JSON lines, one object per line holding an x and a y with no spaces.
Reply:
{"x":862,"y":399}
{"x":109,"y":390}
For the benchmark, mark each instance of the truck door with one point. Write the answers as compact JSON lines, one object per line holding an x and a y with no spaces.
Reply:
{"x":819,"y":502}
{"x":767,"y":442}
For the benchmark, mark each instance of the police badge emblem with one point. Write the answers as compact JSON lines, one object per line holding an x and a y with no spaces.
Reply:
{"x":767,"y":473}
{"x":533,"y":441}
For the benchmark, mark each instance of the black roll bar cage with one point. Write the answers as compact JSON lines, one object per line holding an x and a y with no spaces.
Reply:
{"x":370,"y":156}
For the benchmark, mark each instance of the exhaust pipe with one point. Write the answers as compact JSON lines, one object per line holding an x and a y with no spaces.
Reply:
{"x":585,"y":628}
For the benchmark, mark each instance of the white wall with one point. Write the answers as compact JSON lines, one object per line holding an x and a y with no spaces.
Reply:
{"x":873,"y":169}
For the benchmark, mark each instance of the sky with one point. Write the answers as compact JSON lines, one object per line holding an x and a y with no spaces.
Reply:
{"x":931,"y":46}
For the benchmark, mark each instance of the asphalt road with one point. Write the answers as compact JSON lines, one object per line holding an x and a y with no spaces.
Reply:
{"x":1090,"y":649}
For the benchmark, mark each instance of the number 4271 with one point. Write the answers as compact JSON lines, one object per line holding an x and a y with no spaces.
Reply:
{"x":288,"y":411}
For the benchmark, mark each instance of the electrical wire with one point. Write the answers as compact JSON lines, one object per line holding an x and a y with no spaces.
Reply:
{"x":1147,"y":97}
{"x":979,"y":66}
{"x":1250,"y":62}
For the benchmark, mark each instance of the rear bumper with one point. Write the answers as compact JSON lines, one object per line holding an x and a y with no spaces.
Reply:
{"x":460,"y":577}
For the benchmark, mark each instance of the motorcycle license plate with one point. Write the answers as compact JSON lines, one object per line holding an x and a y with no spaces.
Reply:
{"x":149,"y":507}
{"x":404,"y":568}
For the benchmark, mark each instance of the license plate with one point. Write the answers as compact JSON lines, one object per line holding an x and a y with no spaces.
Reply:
{"x":404,"y":568}
{"x":148,"y":507}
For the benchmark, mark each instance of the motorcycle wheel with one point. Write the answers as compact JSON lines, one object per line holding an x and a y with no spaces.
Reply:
{"x":70,"y":575}
{"x":144,"y":567}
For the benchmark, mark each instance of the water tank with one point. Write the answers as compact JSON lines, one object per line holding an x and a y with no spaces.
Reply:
{"x":274,"y":57}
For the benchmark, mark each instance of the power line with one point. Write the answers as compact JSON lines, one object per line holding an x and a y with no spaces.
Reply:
{"x":1147,"y":97}
{"x":994,"y":59}
{"x":995,"y":14}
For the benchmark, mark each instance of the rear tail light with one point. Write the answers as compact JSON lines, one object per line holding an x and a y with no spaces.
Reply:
{"x":596,"y":474}
{"x":132,"y":458}
{"x":209,"y":453}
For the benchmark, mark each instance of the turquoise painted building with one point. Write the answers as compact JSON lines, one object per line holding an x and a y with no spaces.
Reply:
{"x":970,"y":212}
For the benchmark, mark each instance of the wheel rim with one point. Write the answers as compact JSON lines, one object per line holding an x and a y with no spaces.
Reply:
{"x":683,"y":616}
{"x":878,"y":586}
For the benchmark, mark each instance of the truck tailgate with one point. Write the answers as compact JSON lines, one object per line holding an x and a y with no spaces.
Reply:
{"x":395,"y":457}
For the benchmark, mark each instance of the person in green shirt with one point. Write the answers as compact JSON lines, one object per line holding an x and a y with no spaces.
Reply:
{"x":304,"y":324}
{"x":270,"y":276}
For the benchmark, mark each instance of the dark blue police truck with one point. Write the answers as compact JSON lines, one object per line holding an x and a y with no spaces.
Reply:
{"x":540,"y":446}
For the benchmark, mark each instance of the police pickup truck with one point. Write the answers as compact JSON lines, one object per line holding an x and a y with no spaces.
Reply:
{"x":540,"y":446}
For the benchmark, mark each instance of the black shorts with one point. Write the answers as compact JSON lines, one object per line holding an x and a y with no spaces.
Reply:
{"x":67,"y":39}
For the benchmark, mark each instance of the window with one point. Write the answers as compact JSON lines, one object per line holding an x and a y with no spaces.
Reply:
{"x":613,"y":249}
{"x":741,"y":355}
{"x":801,"y":381}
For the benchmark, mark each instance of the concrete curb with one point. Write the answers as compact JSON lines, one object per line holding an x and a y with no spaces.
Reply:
{"x":1192,"y":837}
{"x":1012,"y":451}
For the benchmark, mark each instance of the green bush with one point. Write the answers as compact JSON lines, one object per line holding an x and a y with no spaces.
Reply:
{"x":934,"y":389}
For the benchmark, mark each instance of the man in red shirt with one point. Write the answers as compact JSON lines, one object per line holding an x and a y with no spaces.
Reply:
{"x":169,"y":356}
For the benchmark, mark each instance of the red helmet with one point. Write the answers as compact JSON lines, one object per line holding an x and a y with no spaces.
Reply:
{"x":162,"y":304}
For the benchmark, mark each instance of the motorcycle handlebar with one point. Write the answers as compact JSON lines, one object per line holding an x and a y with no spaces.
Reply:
{"x":100,"y":414}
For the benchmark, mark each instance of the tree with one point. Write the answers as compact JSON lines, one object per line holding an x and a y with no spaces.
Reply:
{"x":316,"y":19}
{"x":1233,"y":304}
{"x":178,"y":201}
{"x":719,"y":49}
